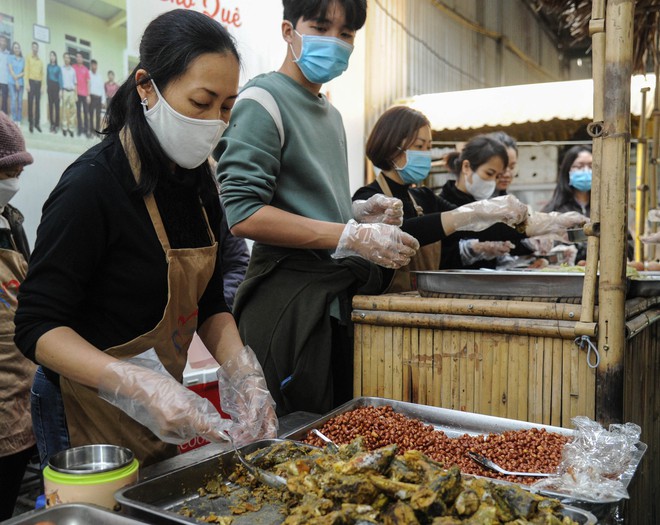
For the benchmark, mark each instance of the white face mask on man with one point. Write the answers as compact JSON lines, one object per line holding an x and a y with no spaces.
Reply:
{"x":479,"y":188}
{"x":187,"y":141}
{"x":8,"y":188}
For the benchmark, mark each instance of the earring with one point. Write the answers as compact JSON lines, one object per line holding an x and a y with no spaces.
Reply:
{"x":145,"y":103}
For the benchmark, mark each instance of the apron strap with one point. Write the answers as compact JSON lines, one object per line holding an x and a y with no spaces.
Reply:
{"x":385,"y":188}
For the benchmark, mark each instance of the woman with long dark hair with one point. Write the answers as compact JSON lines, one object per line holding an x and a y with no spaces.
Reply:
{"x":125,"y":267}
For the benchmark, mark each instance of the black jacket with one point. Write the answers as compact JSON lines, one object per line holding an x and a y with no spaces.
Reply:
{"x":15,"y":219}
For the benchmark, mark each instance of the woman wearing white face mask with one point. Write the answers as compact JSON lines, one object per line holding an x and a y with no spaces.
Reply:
{"x":399,"y":146}
{"x":126,"y":264}
{"x":477,"y":167}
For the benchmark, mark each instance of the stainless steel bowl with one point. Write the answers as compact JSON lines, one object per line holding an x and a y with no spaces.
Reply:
{"x":91,"y":459}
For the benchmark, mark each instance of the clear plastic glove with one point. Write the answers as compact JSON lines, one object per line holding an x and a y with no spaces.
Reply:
{"x":479,"y":215}
{"x":553,"y":223}
{"x":379,"y":208}
{"x":539,"y":245}
{"x":472,"y":250}
{"x":650,"y":238}
{"x":159,"y":402}
{"x":383,"y":244}
{"x":653,"y":215}
{"x":245,"y":397}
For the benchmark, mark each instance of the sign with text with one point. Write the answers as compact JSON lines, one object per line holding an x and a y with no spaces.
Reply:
{"x":255,"y":24}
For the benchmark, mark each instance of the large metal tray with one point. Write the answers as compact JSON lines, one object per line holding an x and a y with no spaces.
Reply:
{"x":647,"y":284}
{"x":157,"y":500}
{"x":455,"y":423}
{"x":72,"y":514}
{"x":503,"y":283}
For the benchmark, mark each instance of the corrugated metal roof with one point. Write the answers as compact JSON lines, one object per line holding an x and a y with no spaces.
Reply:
{"x":519,"y":106}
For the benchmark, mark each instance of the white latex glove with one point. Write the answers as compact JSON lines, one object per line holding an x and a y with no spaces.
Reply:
{"x":245,"y":397}
{"x":553,"y":223}
{"x":479,"y":215}
{"x":383,"y":244}
{"x":473,"y":250}
{"x":650,"y":238}
{"x":159,"y":402}
{"x":379,"y":208}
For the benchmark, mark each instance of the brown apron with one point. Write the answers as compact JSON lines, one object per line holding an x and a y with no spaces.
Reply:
{"x":16,"y":371}
{"x":91,"y":419}
{"x":427,"y":257}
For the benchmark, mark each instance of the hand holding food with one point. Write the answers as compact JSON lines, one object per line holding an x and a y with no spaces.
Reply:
{"x":245,"y":397}
{"x":382,"y":244}
{"x":480,"y":215}
{"x":473,"y":250}
{"x":379,"y":208}
{"x":162,"y":404}
{"x":540,"y":223}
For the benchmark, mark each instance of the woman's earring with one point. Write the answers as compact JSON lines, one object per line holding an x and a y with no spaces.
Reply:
{"x":145,"y":103}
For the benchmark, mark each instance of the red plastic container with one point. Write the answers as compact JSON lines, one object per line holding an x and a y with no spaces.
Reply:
{"x":203,"y":382}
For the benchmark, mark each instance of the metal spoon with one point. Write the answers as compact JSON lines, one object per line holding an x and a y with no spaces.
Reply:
{"x":485,"y":462}
{"x":265,"y":477}
{"x":331,"y":445}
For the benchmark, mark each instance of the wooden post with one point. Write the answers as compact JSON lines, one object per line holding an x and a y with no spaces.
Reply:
{"x":597,"y":32}
{"x":613,"y":205}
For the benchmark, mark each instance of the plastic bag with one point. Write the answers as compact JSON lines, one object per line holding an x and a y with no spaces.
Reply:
{"x":594,"y":462}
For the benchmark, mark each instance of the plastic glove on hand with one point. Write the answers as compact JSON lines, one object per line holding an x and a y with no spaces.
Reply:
{"x":650,"y":238}
{"x":480,"y":215}
{"x":244,"y":395}
{"x":382,"y":244}
{"x":171,"y":411}
{"x":540,"y":223}
{"x":379,"y":208}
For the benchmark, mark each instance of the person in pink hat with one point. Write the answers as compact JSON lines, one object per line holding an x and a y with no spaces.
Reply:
{"x":17,"y":441}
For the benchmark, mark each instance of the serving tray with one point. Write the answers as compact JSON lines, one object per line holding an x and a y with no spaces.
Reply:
{"x":72,"y":514}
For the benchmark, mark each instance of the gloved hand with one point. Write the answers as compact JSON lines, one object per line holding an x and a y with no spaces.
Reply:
{"x":539,"y":245}
{"x":479,"y":215}
{"x":653,"y":215}
{"x":383,"y":244}
{"x":650,"y":238}
{"x":553,"y":223}
{"x":159,"y":402}
{"x":379,"y":208}
{"x":473,"y":250}
{"x":245,"y":397}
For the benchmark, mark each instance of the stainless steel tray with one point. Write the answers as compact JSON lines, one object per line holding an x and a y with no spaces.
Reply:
{"x":72,"y":514}
{"x":504,"y":283}
{"x":646,"y":285}
{"x":455,"y":423}
{"x":158,"y":499}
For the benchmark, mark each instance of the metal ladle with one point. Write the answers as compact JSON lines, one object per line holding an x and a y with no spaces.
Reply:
{"x":485,"y":462}
{"x":331,"y":445}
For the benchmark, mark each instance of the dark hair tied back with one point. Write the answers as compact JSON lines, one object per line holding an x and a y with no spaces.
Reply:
{"x":170,"y":43}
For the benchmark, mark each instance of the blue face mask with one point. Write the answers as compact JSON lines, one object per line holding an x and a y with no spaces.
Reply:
{"x":322,"y":58}
{"x":417,"y":167}
{"x":580,"y":179}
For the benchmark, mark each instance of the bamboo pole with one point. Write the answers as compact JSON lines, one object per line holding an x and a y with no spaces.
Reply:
{"x":655,"y":160}
{"x":532,"y":327}
{"x":613,"y":203}
{"x":597,"y":32}
{"x":483,"y":307}
{"x":641,"y":182}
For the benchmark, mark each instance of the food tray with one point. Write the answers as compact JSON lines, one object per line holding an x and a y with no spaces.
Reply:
{"x":455,"y":423}
{"x":502,"y":283}
{"x":158,"y":499}
{"x":646,"y":284}
{"x":72,"y":514}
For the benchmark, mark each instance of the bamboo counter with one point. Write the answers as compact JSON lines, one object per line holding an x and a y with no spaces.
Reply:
{"x":509,"y":358}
